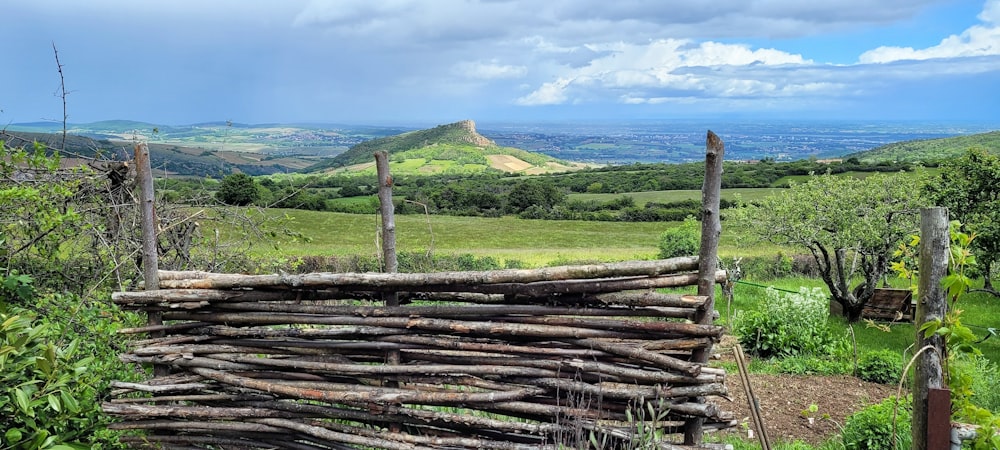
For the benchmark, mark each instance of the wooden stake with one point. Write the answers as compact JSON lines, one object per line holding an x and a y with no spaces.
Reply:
{"x":708,"y":261}
{"x":931,"y":306}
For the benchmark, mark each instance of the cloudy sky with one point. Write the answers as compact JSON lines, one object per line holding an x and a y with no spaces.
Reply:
{"x":436,"y":61}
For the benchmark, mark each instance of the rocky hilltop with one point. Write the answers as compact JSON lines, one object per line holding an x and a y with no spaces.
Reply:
{"x":454,"y":147}
{"x":471,"y":135}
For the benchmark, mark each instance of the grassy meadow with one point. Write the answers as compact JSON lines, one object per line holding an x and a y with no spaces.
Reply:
{"x":534,"y":243}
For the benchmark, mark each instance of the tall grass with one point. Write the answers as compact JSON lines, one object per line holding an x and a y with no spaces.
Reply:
{"x":533,"y":242}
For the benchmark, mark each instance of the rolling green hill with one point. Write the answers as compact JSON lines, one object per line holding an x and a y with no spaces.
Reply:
{"x":455,"y":147}
{"x":165,"y":158}
{"x":928,"y":150}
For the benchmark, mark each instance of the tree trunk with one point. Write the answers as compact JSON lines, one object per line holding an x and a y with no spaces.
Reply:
{"x":853,"y":311}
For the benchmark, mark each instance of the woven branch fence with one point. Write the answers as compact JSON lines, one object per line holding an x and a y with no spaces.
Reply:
{"x":563,"y":357}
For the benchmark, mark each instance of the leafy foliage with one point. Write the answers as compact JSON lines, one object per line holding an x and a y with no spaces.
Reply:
{"x":238,"y":189}
{"x":54,"y":372}
{"x":960,"y":341}
{"x":969,"y":187}
{"x":789,"y":324}
{"x":845,"y":223}
{"x":872,"y":427}
{"x":533,"y":193}
{"x":982,"y":376}
{"x":37,"y":218}
{"x":882,"y":366}
{"x":682,"y":240}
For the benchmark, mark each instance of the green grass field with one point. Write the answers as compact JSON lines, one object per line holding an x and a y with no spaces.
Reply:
{"x":534,"y":243}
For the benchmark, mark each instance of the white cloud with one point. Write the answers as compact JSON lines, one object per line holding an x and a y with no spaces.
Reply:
{"x":991,"y":13}
{"x":551,"y":93}
{"x":678,"y":65}
{"x":978,"y":40}
{"x":489,"y":70}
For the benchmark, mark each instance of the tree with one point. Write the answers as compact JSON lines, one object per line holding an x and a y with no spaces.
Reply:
{"x":970,"y":188}
{"x":849,"y":225}
{"x":238,"y":189}
{"x":531,"y":193}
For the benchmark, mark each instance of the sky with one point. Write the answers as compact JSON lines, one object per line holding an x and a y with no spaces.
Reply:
{"x":177,"y":62}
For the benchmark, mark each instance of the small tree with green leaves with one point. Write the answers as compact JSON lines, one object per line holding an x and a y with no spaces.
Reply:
{"x":238,"y":189}
{"x":849,"y":225}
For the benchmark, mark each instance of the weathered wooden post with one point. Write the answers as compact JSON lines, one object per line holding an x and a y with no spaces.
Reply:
{"x":708,"y":261}
{"x":150,"y":258}
{"x":931,"y":305}
{"x":386,"y":209}
{"x":388,"y":242}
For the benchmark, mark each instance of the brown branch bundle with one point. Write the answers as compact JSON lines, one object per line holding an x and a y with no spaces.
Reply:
{"x":505,"y":359}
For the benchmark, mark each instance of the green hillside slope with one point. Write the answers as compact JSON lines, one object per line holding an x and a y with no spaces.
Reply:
{"x":928,"y":150}
{"x":165,"y":158}
{"x":455,"y":147}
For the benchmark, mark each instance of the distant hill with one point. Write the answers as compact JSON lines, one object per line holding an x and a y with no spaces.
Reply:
{"x":455,"y":147}
{"x":165,"y":158}
{"x":930,"y":149}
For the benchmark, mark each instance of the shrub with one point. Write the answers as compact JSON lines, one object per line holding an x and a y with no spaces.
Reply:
{"x":53,"y":385}
{"x":871,"y":428}
{"x":790,"y":324}
{"x":682,"y":240}
{"x":882,"y":366}
{"x":983,"y":379}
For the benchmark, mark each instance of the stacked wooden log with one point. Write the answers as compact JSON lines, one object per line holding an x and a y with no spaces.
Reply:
{"x":509,"y":359}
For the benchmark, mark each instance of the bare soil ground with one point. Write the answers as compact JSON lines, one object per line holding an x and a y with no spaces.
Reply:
{"x":785,"y":402}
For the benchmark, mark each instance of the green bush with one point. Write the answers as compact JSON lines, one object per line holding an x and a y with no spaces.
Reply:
{"x":682,"y":240}
{"x":789,"y":324}
{"x":881,"y":366}
{"x":984,"y":380}
{"x":871,"y":428}
{"x":52,"y":390}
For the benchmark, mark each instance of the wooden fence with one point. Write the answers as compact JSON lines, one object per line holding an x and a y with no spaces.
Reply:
{"x":503,"y":359}
{"x":585,"y":356}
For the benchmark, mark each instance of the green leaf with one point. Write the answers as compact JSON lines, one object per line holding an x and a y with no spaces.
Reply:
{"x":53,"y":400}
{"x":44,"y":365}
{"x":23,"y":402}
{"x":13,"y":435}
{"x":69,"y":402}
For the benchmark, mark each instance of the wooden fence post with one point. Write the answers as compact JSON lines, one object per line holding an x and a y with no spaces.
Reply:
{"x":388,"y":242}
{"x":708,"y":260}
{"x":386,"y":209}
{"x":150,"y":258}
{"x":931,"y":305}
